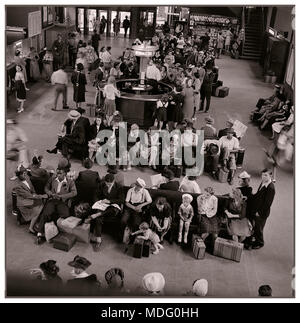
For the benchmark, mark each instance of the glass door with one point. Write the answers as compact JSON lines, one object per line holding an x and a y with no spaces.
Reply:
{"x":113,"y":16}
{"x":122,"y":15}
{"x":80,"y":18}
{"x":91,"y":17}
{"x":103,"y":13}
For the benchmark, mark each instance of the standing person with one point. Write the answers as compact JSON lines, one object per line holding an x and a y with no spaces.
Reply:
{"x":161,"y":111}
{"x":175,"y":106}
{"x":48,"y":65}
{"x":220,"y":44}
{"x":20,"y":61}
{"x":96,"y":25}
{"x":186,"y":214}
{"x":79,"y":81}
{"x":126,"y":25}
{"x":21,"y":88}
{"x":82,"y":60}
{"x":116,"y":26}
{"x":72,"y":48}
{"x":34,"y":66}
{"x":207,"y":210}
{"x":153,"y":75}
{"x":261,"y":205}
{"x":106,"y":58}
{"x":59,"y":79}
{"x":110,"y":92}
{"x":95,"y":41}
{"x":197,"y":87}
{"x":206,"y":89}
{"x":228,"y":40}
{"x":91,"y":55}
{"x":188,"y":103}
{"x":58,"y":52}
{"x":103,"y":23}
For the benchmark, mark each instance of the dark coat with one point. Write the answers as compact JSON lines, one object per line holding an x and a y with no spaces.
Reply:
{"x":79,"y":82}
{"x":87,"y":184}
{"x":116,"y":195}
{"x":171,"y":186}
{"x":85,"y":122}
{"x":262,"y":200}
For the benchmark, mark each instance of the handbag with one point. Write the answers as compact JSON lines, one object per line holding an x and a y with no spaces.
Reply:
{"x":51,"y":230}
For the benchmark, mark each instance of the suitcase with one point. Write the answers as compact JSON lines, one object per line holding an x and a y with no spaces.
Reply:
{"x":126,"y":235}
{"x":223,"y":176}
{"x":195,"y":237}
{"x":82,"y":232}
{"x":64,"y":241}
{"x":138,"y":248}
{"x":240,"y":158}
{"x":222,"y":91}
{"x":71,"y":222}
{"x":62,"y":227}
{"x":91,"y":110}
{"x":228,"y":249}
{"x":146,"y":248}
{"x":198,"y":248}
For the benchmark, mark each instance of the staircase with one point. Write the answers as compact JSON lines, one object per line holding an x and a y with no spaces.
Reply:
{"x":253,"y":34}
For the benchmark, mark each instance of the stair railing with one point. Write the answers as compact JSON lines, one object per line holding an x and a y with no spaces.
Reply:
{"x":243,"y":27}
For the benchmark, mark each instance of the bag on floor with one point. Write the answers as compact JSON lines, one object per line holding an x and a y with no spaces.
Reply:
{"x":138,"y":248}
{"x":222,"y":91}
{"x":146,"y":248}
{"x":51,"y":231}
{"x":82,"y":232}
{"x":240,"y":158}
{"x":223,"y":176}
{"x":198,"y":248}
{"x":126,"y":236}
{"x":228,"y":249}
{"x":64,"y":241}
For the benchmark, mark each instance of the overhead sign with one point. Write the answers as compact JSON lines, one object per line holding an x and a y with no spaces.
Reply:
{"x":34,"y":23}
{"x":212,"y":20}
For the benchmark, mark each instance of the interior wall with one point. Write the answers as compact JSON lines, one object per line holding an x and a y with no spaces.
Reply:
{"x":18,"y":16}
{"x":283,"y":21}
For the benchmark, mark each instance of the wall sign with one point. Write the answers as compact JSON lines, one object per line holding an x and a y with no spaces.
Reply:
{"x":34,"y":23}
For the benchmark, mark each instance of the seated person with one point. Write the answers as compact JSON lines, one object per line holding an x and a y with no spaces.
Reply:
{"x":229,"y":125}
{"x":212,"y":153}
{"x":282,"y":122}
{"x":136,"y":199}
{"x":171,"y":184}
{"x":38,"y":175}
{"x":160,"y":213}
{"x":228,"y":146}
{"x":119,"y":176}
{"x":272,"y":106}
{"x":98,"y":125}
{"x":209,"y":131}
{"x":189,"y":185}
{"x":269,"y":100}
{"x":87,"y":184}
{"x":268,"y":118}
{"x":60,"y":190}
{"x":239,"y":227}
{"x":130,"y":72}
{"x":28,"y":202}
{"x":110,"y":193}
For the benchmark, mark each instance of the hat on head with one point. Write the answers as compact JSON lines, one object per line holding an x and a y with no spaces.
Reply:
{"x":87,"y":163}
{"x":73,"y":114}
{"x":169,"y":174}
{"x":112,"y":169}
{"x":80,"y":67}
{"x":153,"y":282}
{"x":109,"y":178}
{"x":209,"y":120}
{"x":20,"y":169}
{"x":188,"y":196}
{"x":244,"y":174}
{"x":112,"y":273}
{"x":230,"y":130}
{"x":140,"y":182}
{"x":49,"y":268}
{"x":80,"y":110}
{"x":200,"y":287}
{"x":80,"y":262}
{"x":231,"y":121}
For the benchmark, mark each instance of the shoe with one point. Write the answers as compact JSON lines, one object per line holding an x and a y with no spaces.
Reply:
{"x":96,"y":246}
{"x":32,"y":232}
{"x":20,"y":110}
{"x":53,"y":151}
{"x":185,"y":240}
{"x":66,"y":107}
{"x":39,"y":240}
{"x":257,"y":246}
{"x":180,"y":238}
{"x":156,"y":252}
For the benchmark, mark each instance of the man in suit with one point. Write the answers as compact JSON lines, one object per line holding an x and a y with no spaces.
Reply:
{"x":28,"y":202}
{"x":171,"y":184}
{"x":60,"y":190}
{"x":261,"y":206}
{"x":109,"y":193}
{"x":76,"y":139}
{"x":87,"y":184}
{"x":85,"y":122}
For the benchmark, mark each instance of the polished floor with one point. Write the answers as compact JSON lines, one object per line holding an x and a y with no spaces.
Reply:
{"x":271,"y":265}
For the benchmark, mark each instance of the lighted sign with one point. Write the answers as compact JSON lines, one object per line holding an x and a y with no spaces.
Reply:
{"x":272,"y":31}
{"x":140,"y":53}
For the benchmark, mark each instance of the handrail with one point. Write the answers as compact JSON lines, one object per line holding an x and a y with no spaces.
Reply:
{"x":243,"y":27}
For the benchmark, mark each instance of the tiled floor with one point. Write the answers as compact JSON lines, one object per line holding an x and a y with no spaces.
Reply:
{"x":271,"y":265}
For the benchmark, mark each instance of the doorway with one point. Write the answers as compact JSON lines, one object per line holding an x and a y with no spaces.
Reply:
{"x":103,"y":13}
{"x":80,"y":19}
{"x":91,"y":18}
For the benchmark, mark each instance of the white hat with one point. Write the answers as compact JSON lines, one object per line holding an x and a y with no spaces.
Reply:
{"x":244,"y":174}
{"x":200,"y":287}
{"x":153,"y":282}
{"x":73,"y":114}
{"x":140,"y":182}
{"x":189,"y":196}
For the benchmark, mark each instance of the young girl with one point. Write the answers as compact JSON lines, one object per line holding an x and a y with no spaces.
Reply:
{"x":110,"y":92}
{"x":186,"y":213}
{"x":147,"y":234}
{"x":21,"y":87}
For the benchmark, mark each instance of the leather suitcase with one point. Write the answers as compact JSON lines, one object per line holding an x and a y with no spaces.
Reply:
{"x":146,"y":248}
{"x":222,"y":91}
{"x":199,"y":248}
{"x":228,"y":249}
{"x":138,"y":248}
{"x":64,"y":241}
{"x":82,"y":232}
{"x":240,"y":158}
{"x":223,"y":176}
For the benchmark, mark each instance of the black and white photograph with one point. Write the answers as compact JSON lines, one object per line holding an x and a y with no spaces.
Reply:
{"x":149,"y":150}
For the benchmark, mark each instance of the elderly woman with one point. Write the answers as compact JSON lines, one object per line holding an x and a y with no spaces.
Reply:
{"x":161,"y":217}
{"x":28,"y":202}
{"x":137,"y":199}
{"x":207,"y":210}
{"x":238,"y":225}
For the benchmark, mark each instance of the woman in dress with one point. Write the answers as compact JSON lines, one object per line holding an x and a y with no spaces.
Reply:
{"x":207,"y":210}
{"x":188,"y":104}
{"x":228,"y":40}
{"x":161,"y":111}
{"x":110,"y":92}
{"x":175,"y":105}
{"x":116,"y":26}
{"x":34,"y":65}
{"x":79,"y":81}
{"x":21,"y":88}
{"x":20,"y":61}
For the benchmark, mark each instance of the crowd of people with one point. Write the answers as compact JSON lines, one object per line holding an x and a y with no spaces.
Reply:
{"x":188,"y":66}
